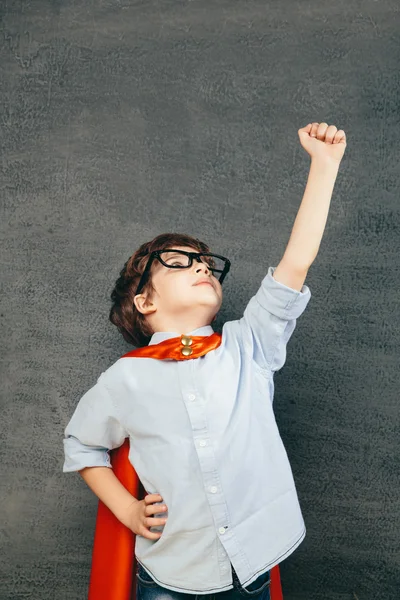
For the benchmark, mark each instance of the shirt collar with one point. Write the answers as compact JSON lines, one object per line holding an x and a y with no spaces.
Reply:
{"x":160,"y":336}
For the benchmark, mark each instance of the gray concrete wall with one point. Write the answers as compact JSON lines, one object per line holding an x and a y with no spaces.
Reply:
{"x":123,"y":120}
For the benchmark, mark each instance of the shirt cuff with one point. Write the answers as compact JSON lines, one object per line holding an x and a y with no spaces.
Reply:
{"x":279,"y":299}
{"x":78,"y":456}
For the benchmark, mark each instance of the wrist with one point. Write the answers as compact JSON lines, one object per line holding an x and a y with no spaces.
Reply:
{"x":124,"y":513}
{"x":325,"y":163}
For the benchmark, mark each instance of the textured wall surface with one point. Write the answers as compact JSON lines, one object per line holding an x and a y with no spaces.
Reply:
{"x":122,"y":120}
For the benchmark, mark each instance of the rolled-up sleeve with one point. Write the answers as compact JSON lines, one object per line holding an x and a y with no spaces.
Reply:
{"x":93,"y":430}
{"x":269,"y":320}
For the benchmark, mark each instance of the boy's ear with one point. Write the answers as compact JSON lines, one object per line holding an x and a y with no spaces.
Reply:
{"x":143,"y":304}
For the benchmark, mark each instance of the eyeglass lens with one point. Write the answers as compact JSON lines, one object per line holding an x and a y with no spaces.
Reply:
{"x":176,"y":259}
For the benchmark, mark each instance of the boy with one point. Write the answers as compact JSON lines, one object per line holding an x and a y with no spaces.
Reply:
{"x":203,"y":437}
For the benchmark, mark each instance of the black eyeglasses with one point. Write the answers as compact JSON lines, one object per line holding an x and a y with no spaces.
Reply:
{"x":180,"y":259}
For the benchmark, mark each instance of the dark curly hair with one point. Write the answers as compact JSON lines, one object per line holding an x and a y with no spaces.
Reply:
{"x":123,"y":313}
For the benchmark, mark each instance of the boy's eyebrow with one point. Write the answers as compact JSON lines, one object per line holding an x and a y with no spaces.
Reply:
{"x":173,"y":254}
{"x":177,"y":253}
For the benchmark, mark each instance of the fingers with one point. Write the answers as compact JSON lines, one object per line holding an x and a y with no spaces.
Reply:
{"x":148,"y":521}
{"x":150,"y":498}
{"x":150,"y":507}
{"x":151,"y":510}
{"x":330,"y":134}
{"x":326,"y":133}
{"x":151,"y":535}
{"x":318,"y":130}
{"x":340,"y":136}
{"x":152,"y":522}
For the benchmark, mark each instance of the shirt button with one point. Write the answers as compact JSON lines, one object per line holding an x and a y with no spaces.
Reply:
{"x":213,"y":489}
{"x":221,"y":529}
{"x":191,"y":397}
{"x":203,"y":443}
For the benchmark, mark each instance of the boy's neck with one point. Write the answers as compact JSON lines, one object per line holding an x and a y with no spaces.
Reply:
{"x":160,"y":336}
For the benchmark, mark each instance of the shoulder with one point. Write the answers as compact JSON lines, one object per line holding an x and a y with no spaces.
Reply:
{"x":116,"y":375}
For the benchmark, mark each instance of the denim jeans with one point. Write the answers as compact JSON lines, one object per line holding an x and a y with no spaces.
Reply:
{"x":148,"y":589}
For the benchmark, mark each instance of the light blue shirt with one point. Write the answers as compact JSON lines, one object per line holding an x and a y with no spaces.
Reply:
{"x":203,"y":435}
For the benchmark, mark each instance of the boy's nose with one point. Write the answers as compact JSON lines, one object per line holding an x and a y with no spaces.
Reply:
{"x":201,"y":266}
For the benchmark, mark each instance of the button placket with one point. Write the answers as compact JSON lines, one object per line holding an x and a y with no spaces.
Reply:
{"x":206,"y":454}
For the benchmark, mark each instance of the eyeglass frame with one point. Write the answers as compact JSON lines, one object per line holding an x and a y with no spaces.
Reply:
{"x":155,"y":255}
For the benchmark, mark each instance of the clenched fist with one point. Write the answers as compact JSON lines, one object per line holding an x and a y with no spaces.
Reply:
{"x":323,"y":141}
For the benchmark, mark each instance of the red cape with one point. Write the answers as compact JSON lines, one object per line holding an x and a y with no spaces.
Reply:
{"x":113,"y":572}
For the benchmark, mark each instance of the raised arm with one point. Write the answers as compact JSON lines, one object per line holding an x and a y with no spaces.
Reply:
{"x":326,"y":146}
{"x":270,"y":316}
